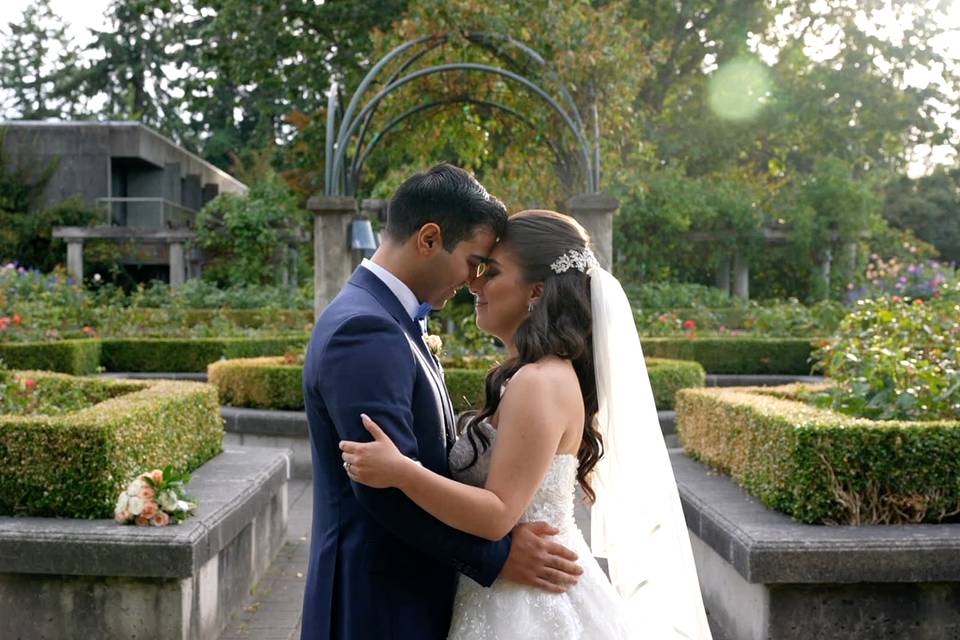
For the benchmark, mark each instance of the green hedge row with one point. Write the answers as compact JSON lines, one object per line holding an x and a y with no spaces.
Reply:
{"x":77,"y":357}
{"x":819,"y":466}
{"x":271,"y":383}
{"x":190,"y":354}
{"x":74,"y":465}
{"x":739,"y":355}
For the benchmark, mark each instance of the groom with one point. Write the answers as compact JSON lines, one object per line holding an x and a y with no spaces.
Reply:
{"x":380,"y":567}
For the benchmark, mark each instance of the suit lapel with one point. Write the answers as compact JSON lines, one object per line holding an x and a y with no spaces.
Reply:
{"x":367,"y":280}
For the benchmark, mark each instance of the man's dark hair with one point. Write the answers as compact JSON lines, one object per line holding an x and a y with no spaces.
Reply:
{"x":451,"y":198}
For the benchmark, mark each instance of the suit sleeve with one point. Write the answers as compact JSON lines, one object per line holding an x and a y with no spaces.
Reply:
{"x":374,"y":352}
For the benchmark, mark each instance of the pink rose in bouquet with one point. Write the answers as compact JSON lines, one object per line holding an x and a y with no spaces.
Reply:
{"x":156,"y":498}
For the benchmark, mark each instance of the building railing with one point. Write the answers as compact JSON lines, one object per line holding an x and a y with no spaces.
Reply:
{"x":157,"y":213}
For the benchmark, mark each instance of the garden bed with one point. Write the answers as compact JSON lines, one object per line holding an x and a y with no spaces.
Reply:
{"x":820,"y":466}
{"x":277,"y":383}
{"x":75,"y":463}
{"x":65,"y":578}
{"x":737,"y":355}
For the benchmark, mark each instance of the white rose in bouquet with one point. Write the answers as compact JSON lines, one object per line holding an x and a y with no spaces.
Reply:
{"x":122,"y":502}
{"x":135,"y":505}
{"x":167,"y":500}
{"x":135,"y":487}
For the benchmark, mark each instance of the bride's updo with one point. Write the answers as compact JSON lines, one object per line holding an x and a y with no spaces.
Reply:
{"x":560,"y":324}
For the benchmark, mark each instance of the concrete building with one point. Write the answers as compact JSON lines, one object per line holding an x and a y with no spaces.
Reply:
{"x":148,"y":188}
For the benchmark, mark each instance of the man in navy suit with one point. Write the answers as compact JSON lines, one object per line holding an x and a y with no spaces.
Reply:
{"x":380,"y":567}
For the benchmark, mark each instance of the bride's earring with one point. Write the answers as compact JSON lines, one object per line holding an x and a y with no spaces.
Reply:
{"x":531,"y":305}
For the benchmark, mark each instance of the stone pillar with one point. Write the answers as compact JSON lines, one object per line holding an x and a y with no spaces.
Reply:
{"x":741,"y":276}
{"x":722,"y":276}
{"x":331,"y":255}
{"x":177,"y":265}
{"x":595,"y":212}
{"x":75,"y":259}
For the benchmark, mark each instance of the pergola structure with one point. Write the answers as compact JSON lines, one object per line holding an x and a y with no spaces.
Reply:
{"x":349,"y":143}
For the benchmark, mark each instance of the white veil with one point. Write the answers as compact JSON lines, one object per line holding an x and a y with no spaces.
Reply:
{"x":637,"y":522}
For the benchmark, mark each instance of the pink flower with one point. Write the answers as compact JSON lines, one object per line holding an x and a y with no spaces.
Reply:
{"x":147,"y":493}
{"x":16,"y":319}
{"x":150,"y":509}
{"x":689,"y":324}
{"x":662,"y":318}
{"x":157,"y":475}
{"x":30,"y":383}
{"x":141,"y":521}
{"x":161,"y":519}
{"x":121,"y":516}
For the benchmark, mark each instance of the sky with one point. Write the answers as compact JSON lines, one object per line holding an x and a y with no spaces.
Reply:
{"x":88,"y":14}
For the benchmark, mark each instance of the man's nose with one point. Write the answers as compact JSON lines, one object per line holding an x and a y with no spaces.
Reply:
{"x":474,"y":283}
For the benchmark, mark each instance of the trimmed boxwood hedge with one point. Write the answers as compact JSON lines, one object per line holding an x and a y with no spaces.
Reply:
{"x":74,"y":465}
{"x":190,"y":354}
{"x":738,"y":355}
{"x":820,"y":466}
{"x":77,"y":357}
{"x":271,"y":383}
{"x":262,"y":383}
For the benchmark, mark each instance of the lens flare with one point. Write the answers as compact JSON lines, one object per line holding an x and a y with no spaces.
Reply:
{"x":739,"y":89}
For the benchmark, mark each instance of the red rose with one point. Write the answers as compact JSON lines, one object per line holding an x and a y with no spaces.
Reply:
{"x":689,"y":324}
{"x":30,"y":383}
{"x":16,"y":319}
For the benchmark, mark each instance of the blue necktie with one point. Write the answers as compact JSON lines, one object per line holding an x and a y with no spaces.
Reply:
{"x":421,"y":316}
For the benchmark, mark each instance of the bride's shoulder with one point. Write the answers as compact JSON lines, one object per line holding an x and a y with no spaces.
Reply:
{"x":551,"y":373}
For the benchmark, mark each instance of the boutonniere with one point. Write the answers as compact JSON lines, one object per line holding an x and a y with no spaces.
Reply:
{"x":434,"y":344}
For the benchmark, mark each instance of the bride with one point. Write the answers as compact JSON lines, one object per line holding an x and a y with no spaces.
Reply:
{"x":572,"y":404}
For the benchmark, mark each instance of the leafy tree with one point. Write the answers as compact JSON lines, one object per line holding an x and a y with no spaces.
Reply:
{"x":929,"y":207}
{"x":241,"y":235}
{"x":36,"y":57}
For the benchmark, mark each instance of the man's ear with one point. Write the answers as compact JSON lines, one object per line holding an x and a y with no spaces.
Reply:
{"x":429,"y":238}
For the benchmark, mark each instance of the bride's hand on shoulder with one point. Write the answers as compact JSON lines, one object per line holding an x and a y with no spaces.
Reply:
{"x":378,"y":464}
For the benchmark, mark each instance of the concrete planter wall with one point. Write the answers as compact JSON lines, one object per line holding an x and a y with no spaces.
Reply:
{"x":766,"y":577}
{"x":97,"y":579}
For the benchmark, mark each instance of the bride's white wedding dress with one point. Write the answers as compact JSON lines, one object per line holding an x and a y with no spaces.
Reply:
{"x":590,"y":610}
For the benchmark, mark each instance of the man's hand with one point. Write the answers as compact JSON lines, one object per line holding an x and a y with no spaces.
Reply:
{"x":537,"y":562}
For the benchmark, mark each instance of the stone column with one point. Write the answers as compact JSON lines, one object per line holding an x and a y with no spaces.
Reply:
{"x":177,"y":265}
{"x":722,"y":277}
{"x":595,"y":212}
{"x":331,"y":255}
{"x":741,"y":276}
{"x":75,"y":259}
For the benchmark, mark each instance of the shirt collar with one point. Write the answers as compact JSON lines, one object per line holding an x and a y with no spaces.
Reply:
{"x":403,"y":293}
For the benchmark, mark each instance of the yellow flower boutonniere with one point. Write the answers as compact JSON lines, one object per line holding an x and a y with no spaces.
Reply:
{"x":434,"y":344}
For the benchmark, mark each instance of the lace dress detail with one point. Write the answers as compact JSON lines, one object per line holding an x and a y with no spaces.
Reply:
{"x":590,"y":610}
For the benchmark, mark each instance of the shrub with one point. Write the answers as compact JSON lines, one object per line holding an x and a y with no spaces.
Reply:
{"x":820,"y":466}
{"x":740,"y":355}
{"x":263,"y":383}
{"x":182,"y":355}
{"x":277,"y":382}
{"x":77,"y":357}
{"x":896,"y":359}
{"x":670,"y":295}
{"x":74,"y":465}
{"x":669,"y":376}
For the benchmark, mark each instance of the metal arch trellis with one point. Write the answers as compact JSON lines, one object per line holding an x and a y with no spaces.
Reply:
{"x":342,"y":174}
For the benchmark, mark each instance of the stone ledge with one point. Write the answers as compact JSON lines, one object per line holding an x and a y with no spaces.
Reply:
{"x":759,"y":380}
{"x":266,"y":422}
{"x":231,"y":489}
{"x":768,"y":547}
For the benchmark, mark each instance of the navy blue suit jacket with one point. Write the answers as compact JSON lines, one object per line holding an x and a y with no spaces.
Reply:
{"x":380,"y":567}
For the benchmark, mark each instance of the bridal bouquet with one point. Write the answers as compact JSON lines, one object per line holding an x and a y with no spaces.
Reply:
{"x":155,"y":498}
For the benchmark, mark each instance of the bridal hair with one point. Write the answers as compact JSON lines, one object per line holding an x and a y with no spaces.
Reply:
{"x":559,"y":324}
{"x":448,"y":196}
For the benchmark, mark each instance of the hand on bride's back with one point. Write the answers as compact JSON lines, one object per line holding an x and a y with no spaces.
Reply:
{"x":537,"y":561}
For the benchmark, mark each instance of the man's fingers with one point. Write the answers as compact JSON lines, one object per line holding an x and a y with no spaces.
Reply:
{"x":565,"y":566}
{"x":349,"y":447}
{"x":544,"y":529}
{"x":349,"y":457}
{"x":540,"y":583}
{"x":558,"y":578}
{"x":560,"y":551}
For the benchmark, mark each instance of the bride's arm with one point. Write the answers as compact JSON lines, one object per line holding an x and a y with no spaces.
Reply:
{"x":532,"y":421}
